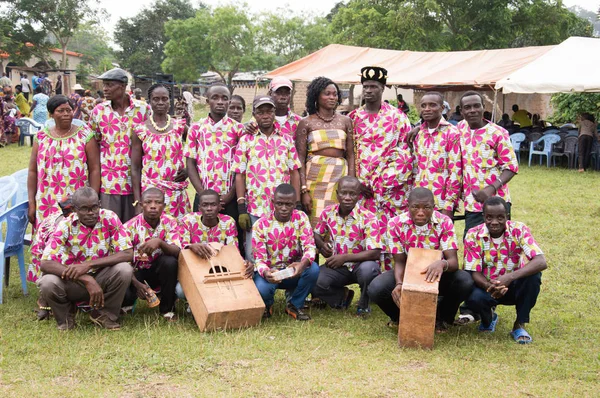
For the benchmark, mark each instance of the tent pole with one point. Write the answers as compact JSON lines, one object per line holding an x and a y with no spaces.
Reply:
{"x":494,"y":108}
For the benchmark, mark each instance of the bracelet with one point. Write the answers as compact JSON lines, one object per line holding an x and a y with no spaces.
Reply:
{"x":446,"y":267}
{"x":240,"y":199}
{"x":398,"y":284}
{"x":137,"y":202}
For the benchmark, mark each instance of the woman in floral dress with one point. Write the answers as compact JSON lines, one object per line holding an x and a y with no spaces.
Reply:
{"x":157,"y":155}
{"x":63,"y":159}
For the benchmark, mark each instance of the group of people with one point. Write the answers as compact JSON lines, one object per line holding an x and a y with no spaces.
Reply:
{"x":357,"y":192}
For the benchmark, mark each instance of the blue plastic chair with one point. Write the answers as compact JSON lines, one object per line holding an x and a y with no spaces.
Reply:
{"x":548,"y":140}
{"x":21,"y":179}
{"x":516,"y":140}
{"x":8,"y":190}
{"x":11,"y":243}
{"x":27,"y":128}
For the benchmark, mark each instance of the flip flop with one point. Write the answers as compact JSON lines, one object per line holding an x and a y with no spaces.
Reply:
{"x":520,"y":332}
{"x":464,"y":319}
{"x":492,"y":327}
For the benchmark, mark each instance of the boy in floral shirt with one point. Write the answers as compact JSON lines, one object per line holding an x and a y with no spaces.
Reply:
{"x":506,"y":264}
{"x":283,"y":239}
{"x":262,"y":161}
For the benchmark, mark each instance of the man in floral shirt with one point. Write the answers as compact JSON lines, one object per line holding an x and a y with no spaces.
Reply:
{"x":506,"y":264}
{"x":156,"y":241}
{"x":210,"y":150}
{"x":423,"y":227}
{"x":438,"y":163}
{"x":263,"y":161}
{"x":112,"y":122}
{"x":489,"y":160}
{"x":286,"y":121}
{"x":87,"y":258}
{"x":283,"y":240}
{"x":347,"y":235}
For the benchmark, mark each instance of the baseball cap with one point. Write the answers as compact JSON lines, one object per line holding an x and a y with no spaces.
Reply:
{"x":262,"y":100}
{"x":279,"y":82}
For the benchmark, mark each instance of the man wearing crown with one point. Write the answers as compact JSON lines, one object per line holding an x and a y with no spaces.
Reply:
{"x":383,"y":158}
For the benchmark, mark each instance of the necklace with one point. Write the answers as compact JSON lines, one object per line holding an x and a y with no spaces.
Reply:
{"x":59,"y":135}
{"x":326,"y":120}
{"x":160,"y":129}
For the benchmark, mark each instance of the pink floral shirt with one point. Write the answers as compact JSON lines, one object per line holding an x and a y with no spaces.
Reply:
{"x":42,"y":235}
{"x":438,"y":163}
{"x":290,"y":125}
{"x":168,"y":230}
{"x":267,"y":162}
{"x":161,"y":160}
{"x":356,"y":233}
{"x":194,"y":231}
{"x":74,"y":243}
{"x":277,"y":245}
{"x":113,"y":133}
{"x":383,"y":159}
{"x":212,"y":145}
{"x":61,"y":169}
{"x":403,"y":234}
{"x":482,"y":254}
{"x":486,"y":153}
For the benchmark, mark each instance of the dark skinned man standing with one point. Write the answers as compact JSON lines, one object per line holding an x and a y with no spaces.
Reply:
{"x":506,"y":264}
{"x":112,"y":121}
{"x":156,"y":240}
{"x":283,"y":240}
{"x":347,"y":235}
{"x":87,"y":258}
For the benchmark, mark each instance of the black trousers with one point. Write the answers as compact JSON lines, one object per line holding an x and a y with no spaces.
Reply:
{"x":331,"y":282}
{"x":586,"y":142}
{"x":522,"y":293}
{"x":230,"y":210}
{"x":163,"y":273}
{"x":454,"y":288}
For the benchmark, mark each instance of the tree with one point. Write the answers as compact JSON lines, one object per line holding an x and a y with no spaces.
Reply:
{"x":142,"y":38}
{"x":91,"y":40}
{"x":568,"y":106}
{"x":22,"y":41}
{"x":58,"y":17}
{"x":222,"y":40}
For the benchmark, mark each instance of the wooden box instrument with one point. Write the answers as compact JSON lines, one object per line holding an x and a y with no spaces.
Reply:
{"x":217,"y":292}
{"x":418,"y":302}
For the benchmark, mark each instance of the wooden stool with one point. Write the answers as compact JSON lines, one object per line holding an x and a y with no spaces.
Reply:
{"x":418,"y":302}
{"x":217,"y":292}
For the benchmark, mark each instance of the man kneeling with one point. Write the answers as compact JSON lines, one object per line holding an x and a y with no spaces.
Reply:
{"x":347,"y":235}
{"x":283,"y":240}
{"x":87,"y":258}
{"x":422,"y":227}
{"x":493,"y":254}
{"x":156,"y":245}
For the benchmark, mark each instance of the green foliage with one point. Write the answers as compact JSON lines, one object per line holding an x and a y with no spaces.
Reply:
{"x":568,"y":106}
{"x":15,"y":36}
{"x":58,"y":17}
{"x":91,"y":40}
{"x":142,"y":38}
{"x":428,"y":25}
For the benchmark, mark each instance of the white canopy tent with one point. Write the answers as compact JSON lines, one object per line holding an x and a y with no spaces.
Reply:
{"x":572,"y":66}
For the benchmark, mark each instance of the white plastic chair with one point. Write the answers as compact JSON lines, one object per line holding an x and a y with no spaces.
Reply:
{"x":8,"y":190}
{"x":21,"y":179}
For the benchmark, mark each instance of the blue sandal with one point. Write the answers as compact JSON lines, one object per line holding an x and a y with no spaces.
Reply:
{"x":520,"y":332}
{"x":492,"y":327}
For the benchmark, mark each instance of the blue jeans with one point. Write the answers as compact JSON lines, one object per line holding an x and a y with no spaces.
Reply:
{"x":301,"y":286}
{"x":248,"y":248}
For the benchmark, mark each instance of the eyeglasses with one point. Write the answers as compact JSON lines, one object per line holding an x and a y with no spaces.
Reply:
{"x":86,"y":209}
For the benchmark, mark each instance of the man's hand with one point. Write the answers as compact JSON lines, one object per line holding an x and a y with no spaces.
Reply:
{"x":504,"y":280}
{"x":181,"y":175}
{"x":297,"y":266}
{"x":336,"y":261}
{"x":412,"y":134}
{"x":75,"y":271}
{"x":434,"y":271}
{"x":497,"y":290}
{"x":269,"y":278}
{"x":307,"y":202}
{"x":251,"y":128}
{"x":366,"y":191}
{"x":397,"y":294}
{"x":327,"y":249}
{"x":150,"y":246}
{"x":245,"y":222}
{"x":202,"y":250}
{"x":95,"y":292}
{"x":142,"y":290}
{"x":138,"y":209}
{"x":449,"y":213}
{"x":481,"y":195}
{"x":249,"y":270}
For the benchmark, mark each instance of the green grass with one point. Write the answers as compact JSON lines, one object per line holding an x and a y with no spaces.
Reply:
{"x":335,"y":354}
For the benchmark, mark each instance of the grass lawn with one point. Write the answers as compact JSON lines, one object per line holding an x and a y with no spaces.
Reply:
{"x":336,"y":354}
